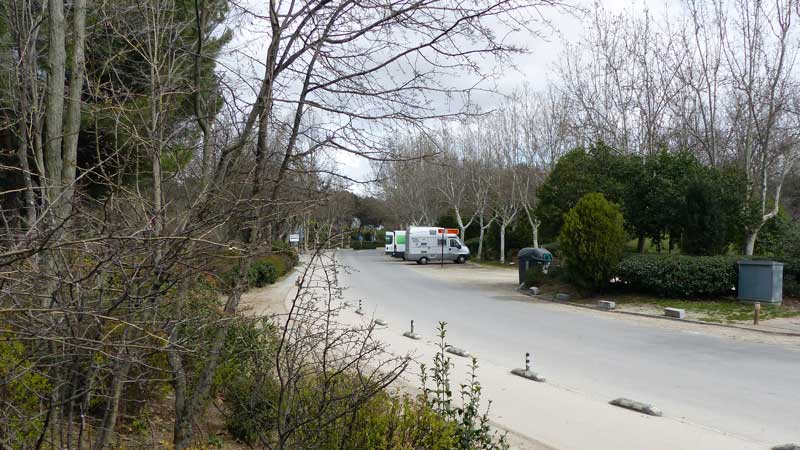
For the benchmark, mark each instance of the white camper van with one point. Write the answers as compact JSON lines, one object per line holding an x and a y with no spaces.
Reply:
{"x":399,"y":244}
{"x":424,"y":244}
{"x":389,"y":243}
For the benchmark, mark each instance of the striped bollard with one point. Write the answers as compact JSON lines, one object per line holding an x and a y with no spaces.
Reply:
{"x":527,"y":373}
{"x":411,"y":334}
{"x":359,"y":311}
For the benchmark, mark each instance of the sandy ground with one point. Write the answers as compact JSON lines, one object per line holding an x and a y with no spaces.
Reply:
{"x":270,"y":300}
{"x":504,"y":281}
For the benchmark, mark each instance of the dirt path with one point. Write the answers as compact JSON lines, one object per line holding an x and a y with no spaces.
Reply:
{"x":270,"y":300}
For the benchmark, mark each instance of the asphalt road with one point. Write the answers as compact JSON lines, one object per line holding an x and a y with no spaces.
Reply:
{"x":738,"y":387}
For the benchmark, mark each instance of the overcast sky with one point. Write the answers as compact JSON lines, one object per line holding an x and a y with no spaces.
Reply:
{"x":534,"y":67}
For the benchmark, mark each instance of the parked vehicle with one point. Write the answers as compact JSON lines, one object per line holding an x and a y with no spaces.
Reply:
{"x":399,"y":250}
{"x":425,"y":244}
{"x":389,"y":243}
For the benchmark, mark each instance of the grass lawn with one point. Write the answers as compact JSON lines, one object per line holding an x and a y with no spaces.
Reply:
{"x":723,"y":310}
{"x":719,"y":310}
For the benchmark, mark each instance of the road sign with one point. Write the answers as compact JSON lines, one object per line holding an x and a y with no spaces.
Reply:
{"x":294,"y":238}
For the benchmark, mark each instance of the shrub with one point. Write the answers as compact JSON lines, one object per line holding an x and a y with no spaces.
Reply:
{"x":22,"y":390}
{"x":791,"y":276}
{"x":535,"y":277}
{"x":704,"y":227}
{"x":366,"y":245}
{"x":287,"y":250}
{"x":552,"y":247}
{"x":281,"y":263}
{"x":354,"y":416}
{"x":472,"y":427}
{"x":245,"y":378}
{"x":472,"y":243}
{"x":384,"y":420}
{"x":261,"y":273}
{"x":679,"y":275}
{"x":592,"y":241}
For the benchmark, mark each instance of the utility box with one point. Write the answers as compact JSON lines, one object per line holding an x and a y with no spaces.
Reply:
{"x":760,"y":281}
{"x":529,"y":257}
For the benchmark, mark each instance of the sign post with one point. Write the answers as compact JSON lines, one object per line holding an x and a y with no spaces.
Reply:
{"x":445,"y":232}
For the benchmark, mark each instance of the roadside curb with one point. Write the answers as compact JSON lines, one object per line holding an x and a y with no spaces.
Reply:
{"x":651,"y":316}
{"x":633,"y":405}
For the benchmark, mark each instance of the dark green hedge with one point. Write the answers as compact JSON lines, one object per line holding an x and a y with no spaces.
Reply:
{"x":366,"y":245}
{"x":791,"y":276}
{"x":679,"y":275}
{"x":261,"y":273}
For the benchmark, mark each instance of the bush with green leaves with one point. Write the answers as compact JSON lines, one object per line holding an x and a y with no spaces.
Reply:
{"x":261,"y":273}
{"x":779,"y":238}
{"x":288,"y":251}
{"x":536,"y":276}
{"x":597,"y":168}
{"x":472,"y":426}
{"x":679,"y":275}
{"x":704,"y":219}
{"x":592,"y":241}
{"x":24,"y":393}
{"x":791,"y":276}
{"x":366,"y":245}
{"x":350,"y":420}
{"x":245,"y":379}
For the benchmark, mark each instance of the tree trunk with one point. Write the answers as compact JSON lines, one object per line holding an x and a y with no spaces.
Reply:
{"x":72,"y":123}
{"x":503,"y":243}
{"x":22,"y":156}
{"x":534,"y":222}
{"x":54,"y":107}
{"x":112,"y":405}
{"x":640,"y":245}
{"x":750,"y":241}
{"x":479,"y":255}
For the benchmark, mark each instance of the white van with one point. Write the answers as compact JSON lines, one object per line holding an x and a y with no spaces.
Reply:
{"x":389,"y":243}
{"x":399,"y":250}
{"x":425,"y":244}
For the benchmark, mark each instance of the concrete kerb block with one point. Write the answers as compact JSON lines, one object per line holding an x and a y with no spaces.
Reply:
{"x":457,"y":351}
{"x":410,"y":334}
{"x":606,"y":305}
{"x":561,"y":297}
{"x":528,"y":374}
{"x":633,"y":405}
{"x":675,"y":312}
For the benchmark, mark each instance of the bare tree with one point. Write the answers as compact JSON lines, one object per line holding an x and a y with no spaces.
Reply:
{"x":760,"y":47}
